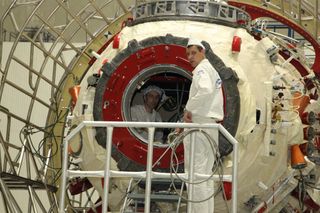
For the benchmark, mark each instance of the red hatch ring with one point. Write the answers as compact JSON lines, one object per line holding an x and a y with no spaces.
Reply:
{"x":257,"y":12}
{"x":121,"y":77}
{"x":128,"y":151}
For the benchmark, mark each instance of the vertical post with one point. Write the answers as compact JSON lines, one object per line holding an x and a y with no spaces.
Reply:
{"x":151,"y":131}
{"x":235,"y":178}
{"x":107,"y":170}
{"x":299,"y":12}
{"x":268,"y":119}
{"x":316,"y":9}
{"x":190,"y":172}
{"x":22,"y":154}
{"x":45,"y":168}
{"x":32,"y":201}
{"x":64,"y":175}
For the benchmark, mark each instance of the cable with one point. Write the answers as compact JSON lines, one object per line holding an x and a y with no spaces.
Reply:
{"x":154,"y":164}
{"x":25,"y":134}
{"x":174,"y":166}
{"x":217,"y":164}
{"x":214,"y":149}
{"x":313,"y":187}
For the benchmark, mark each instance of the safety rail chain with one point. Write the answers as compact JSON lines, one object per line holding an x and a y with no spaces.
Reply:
{"x":148,"y":174}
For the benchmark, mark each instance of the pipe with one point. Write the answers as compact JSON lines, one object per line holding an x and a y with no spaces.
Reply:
{"x":107,"y":170}
{"x":151,"y":131}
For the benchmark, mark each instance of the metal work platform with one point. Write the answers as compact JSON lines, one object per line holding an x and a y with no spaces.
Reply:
{"x":167,"y":193}
{"x":18,"y":182}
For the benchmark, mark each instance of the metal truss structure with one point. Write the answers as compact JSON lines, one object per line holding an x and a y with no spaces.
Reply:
{"x":38,"y":80}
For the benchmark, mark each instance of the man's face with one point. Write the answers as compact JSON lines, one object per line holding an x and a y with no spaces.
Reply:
{"x":195,"y":56}
{"x":152,"y":99}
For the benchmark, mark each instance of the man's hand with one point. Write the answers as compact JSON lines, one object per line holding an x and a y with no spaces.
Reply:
{"x":187,"y":117}
{"x":143,"y":129}
{"x":178,"y":130}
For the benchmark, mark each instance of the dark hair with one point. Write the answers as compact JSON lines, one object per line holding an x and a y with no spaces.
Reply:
{"x":199,"y":48}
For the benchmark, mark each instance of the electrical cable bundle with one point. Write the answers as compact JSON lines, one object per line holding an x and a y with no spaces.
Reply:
{"x":217,"y":167}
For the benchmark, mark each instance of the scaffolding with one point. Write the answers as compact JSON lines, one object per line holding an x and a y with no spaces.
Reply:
{"x":20,"y":171}
{"x":148,"y":175}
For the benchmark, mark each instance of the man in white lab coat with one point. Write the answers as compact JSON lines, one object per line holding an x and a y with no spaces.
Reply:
{"x":152,"y":96}
{"x":205,"y":105}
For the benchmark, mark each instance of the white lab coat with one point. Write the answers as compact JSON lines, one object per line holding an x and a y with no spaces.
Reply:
{"x":139,"y":113}
{"x":206,"y":105}
{"x":205,"y":96}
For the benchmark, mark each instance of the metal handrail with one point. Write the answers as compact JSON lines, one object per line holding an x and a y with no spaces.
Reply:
{"x":148,"y":174}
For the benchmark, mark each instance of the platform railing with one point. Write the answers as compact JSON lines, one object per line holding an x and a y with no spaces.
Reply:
{"x":148,"y":174}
